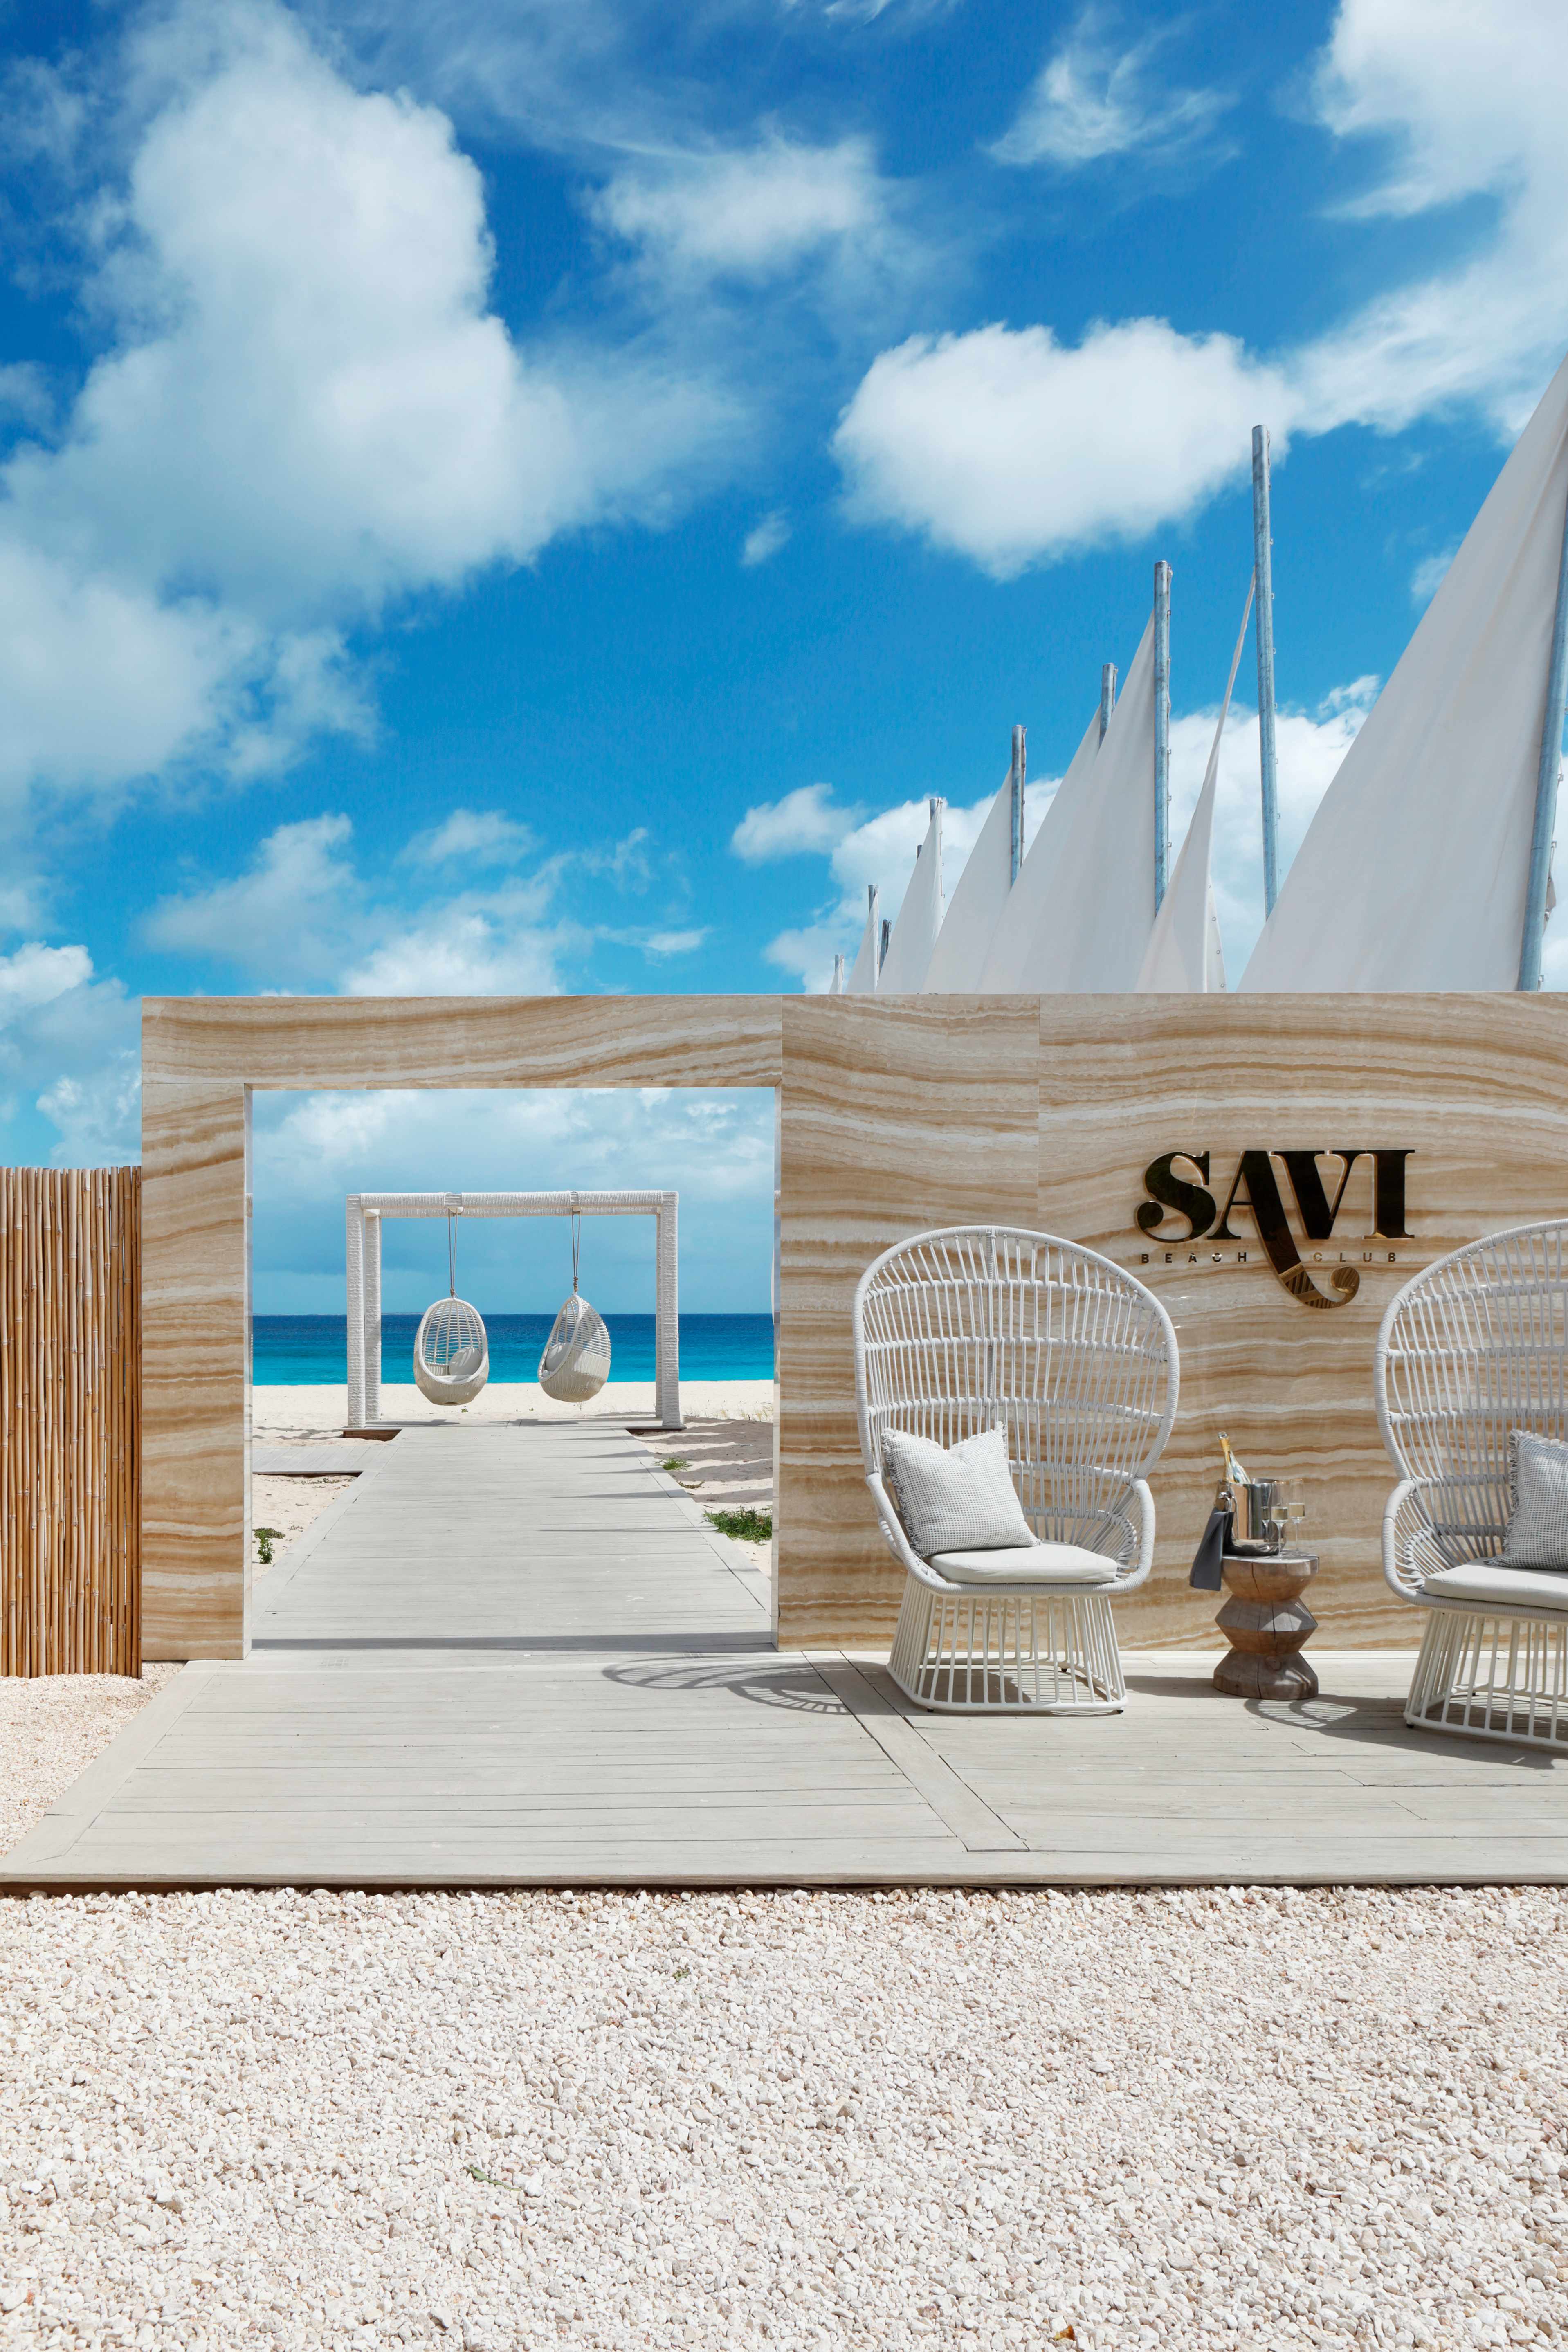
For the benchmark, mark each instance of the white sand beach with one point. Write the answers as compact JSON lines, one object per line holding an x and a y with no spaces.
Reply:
{"x":298,"y":1413}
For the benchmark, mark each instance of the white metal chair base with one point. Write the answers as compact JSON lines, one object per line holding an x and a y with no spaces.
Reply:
{"x":1021,"y":1653}
{"x":1492,"y":1677}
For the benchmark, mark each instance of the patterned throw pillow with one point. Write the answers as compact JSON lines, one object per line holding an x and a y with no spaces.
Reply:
{"x":1538,"y":1489}
{"x":955,"y":1497}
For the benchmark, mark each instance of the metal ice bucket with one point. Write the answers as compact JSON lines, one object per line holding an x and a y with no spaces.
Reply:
{"x":1258,"y":1520}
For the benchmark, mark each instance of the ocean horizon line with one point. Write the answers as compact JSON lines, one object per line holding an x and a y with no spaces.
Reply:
{"x":311,"y":1350}
{"x":530,"y":1314}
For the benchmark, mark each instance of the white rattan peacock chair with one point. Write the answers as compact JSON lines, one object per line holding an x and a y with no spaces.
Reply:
{"x":980,"y":1326}
{"x":1470,"y":1348}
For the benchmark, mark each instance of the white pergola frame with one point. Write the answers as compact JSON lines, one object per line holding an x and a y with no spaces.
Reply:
{"x":366,"y":1210}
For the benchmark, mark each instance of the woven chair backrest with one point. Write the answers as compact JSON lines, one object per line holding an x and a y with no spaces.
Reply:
{"x":576,"y":1363}
{"x":451,"y":1352}
{"x":981,"y":1325}
{"x":1473,"y":1347}
{"x":452,"y":1339}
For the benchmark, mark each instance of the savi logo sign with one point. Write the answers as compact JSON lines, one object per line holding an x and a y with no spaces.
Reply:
{"x":1254,"y":1193}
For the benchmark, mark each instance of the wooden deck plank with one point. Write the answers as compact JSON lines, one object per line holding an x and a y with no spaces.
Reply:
{"x":510,"y":1657}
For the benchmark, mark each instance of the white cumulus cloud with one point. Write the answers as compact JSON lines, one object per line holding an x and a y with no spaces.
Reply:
{"x":1007,"y":447}
{"x":881,"y":849}
{"x":494,"y":947}
{"x":305,"y":406}
{"x":312,"y":400}
{"x":1455,"y":103}
{"x":1010,"y":447}
{"x":307,"y":913}
{"x":101,"y":682}
{"x":35,"y":974}
{"x":68,"y":1041}
{"x":98,"y":1116}
{"x":806,"y":954}
{"x":807,"y":820}
{"x":716,"y":1147}
{"x":294,"y":911}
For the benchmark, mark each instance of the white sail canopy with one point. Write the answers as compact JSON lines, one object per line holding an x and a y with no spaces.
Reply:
{"x":1092,"y":913}
{"x":1184,"y":951}
{"x":915,"y":934}
{"x":1179,"y":955}
{"x":976,"y":908}
{"x":1414,"y":871}
{"x":862,"y":980}
{"x":1026,"y":906}
{"x":1215,"y":981}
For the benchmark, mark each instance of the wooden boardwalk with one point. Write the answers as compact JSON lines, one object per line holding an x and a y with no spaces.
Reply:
{"x":516,"y":1656}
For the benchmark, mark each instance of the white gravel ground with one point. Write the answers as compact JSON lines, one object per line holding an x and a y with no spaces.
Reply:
{"x":50,"y":1730}
{"x":1255,"y":2119}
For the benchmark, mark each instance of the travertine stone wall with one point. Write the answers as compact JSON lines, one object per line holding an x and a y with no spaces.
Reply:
{"x":897,"y":1113}
{"x":195,"y":1416}
{"x":1474,"y":1088}
{"x":200,"y":1058}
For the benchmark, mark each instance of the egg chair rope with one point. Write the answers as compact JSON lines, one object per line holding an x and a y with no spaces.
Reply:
{"x":451,"y":1347}
{"x":577,"y":1359}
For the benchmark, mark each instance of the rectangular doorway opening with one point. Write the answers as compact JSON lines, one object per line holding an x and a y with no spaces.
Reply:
{"x":407,"y":1161}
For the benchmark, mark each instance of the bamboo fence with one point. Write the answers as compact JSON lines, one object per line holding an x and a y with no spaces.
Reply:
{"x":70,"y":1420}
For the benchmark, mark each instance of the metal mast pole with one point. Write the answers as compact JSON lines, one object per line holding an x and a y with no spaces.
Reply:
{"x":1162,"y":728}
{"x":1546,"y":774}
{"x":1263,"y":578}
{"x":1016,"y":788}
{"x":1107,"y":696}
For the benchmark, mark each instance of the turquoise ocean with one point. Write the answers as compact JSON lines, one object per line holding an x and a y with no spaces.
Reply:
{"x":311,"y":1350}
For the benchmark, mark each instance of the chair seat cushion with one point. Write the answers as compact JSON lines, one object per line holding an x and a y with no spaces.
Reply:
{"x":953,"y":1497}
{"x":1538,"y":1487}
{"x":1488,"y":1579}
{"x":1030,"y":1563}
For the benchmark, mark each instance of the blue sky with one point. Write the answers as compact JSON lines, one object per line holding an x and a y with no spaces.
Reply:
{"x":533,"y":494}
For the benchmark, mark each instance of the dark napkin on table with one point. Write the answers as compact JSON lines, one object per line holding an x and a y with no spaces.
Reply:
{"x":1212,"y":1545}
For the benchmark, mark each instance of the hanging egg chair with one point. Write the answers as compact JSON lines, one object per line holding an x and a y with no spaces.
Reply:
{"x":577,"y":1359}
{"x":451,"y":1347}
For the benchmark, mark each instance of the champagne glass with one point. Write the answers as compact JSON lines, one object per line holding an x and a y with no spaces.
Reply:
{"x":1292,"y":1509}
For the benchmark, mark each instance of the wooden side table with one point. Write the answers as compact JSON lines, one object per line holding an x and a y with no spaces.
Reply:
{"x":1266,"y":1623}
